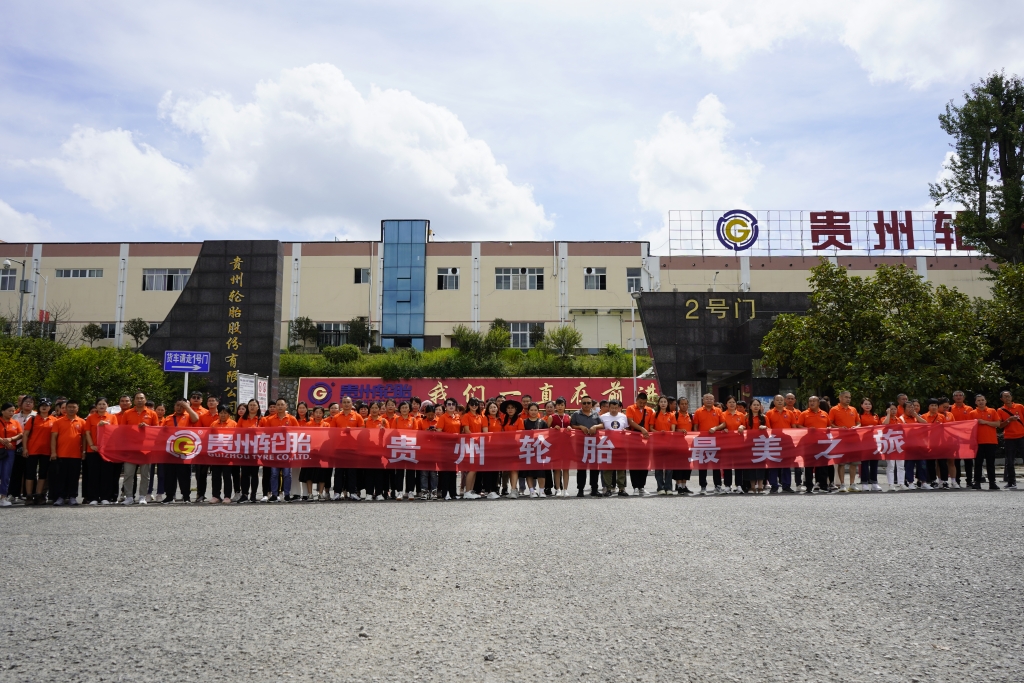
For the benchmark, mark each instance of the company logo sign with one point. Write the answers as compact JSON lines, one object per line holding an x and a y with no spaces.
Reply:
{"x":184,"y":444}
{"x":737,"y":230}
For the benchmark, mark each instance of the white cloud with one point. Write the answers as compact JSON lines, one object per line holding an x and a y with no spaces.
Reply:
{"x":20,"y":227}
{"x":691,"y":166}
{"x":915,"y":41}
{"x":308,"y":153}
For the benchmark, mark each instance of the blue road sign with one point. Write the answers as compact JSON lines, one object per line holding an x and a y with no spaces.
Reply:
{"x":186,"y":361}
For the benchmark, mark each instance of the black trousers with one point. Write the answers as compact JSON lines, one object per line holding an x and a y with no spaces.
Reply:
{"x":447,"y":482}
{"x":381,"y":482}
{"x":92,"y":477}
{"x":202,"y":473}
{"x":681,"y":475}
{"x":68,"y":472}
{"x":250,"y":481}
{"x":595,"y":480}
{"x":1012,"y":449}
{"x":638,"y":478}
{"x":178,"y":477}
{"x":110,"y":484}
{"x":716,"y":477}
{"x":221,"y":475}
{"x":266,"y":480}
{"x":986,"y":455}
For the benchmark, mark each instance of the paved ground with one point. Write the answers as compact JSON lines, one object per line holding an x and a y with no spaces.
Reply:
{"x":873,"y":587}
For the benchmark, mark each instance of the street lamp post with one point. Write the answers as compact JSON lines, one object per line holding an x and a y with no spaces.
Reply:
{"x":23,"y":288}
{"x":635,"y":296}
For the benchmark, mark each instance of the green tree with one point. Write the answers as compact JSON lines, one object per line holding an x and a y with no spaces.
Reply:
{"x":303,"y":331}
{"x":92,"y":333}
{"x":499,"y":323}
{"x":1003,"y":322}
{"x":88,"y":373}
{"x":346,"y":353}
{"x":467,"y":341}
{"x":359,"y":332}
{"x":986,"y":170}
{"x":496,"y":340}
{"x":882,"y":335}
{"x":137,"y":329}
{"x":563,"y":341}
{"x":14,"y":380}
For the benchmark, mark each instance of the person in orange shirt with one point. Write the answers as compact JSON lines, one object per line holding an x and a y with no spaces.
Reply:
{"x":195,"y":401}
{"x":988,"y":442}
{"x":779,"y":417}
{"x":640,"y":417}
{"x":735,"y":421}
{"x":664,"y":421}
{"x":68,"y":448}
{"x":141,"y":417}
{"x":179,"y":475}
{"x":207,"y":417}
{"x":37,"y":452}
{"x":280,"y":418}
{"x":247,"y":416}
{"x":473,"y":422}
{"x":757,"y":423}
{"x":511,"y":421}
{"x":814,"y":418}
{"x":684,"y":424}
{"x":918,"y":468}
{"x":868,"y":468}
{"x":93,"y":484}
{"x":347,"y":478}
{"x":428,"y":423}
{"x":449,"y":422}
{"x":960,"y":412}
{"x":222,"y":474}
{"x":12,"y":436}
{"x":1012,"y":416}
{"x":379,"y":480}
{"x":708,"y":418}
{"x":934,"y":415}
{"x":947,"y":467}
{"x":313,"y":477}
{"x":844,"y":416}
{"x":405,"y":419}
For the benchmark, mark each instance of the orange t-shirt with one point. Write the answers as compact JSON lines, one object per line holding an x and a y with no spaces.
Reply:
{"x":932,"y":419}
{"x":173,"y":420}
{"x":514,"y":427}
{"x":755,"y":421}
{"x":683,"y":422}
{"x":796,"y":418}
{"x":11,"y":428}
{"x":734,"y":420}
{"x":426,"y":424}
{"x":475,"y":422}
{"x":961,"y":412}
{"x":133,"y":417}
{"x":704,"y":419}
{"x":663,"y":422}
{"x":817,"y":419}
{"x":986,"y":434}
{"x":779,"y":419}
{"x":248,"y":422}
{"x":450,"y":424}
{"x":843,"y":417}
{"x":69,"y":436}
{"x":92,"y":424}
{"x":224,"y":425}
{"x":1013,"y":430}
{"x":275,"y":421}
{"x":405,"y":422}
{"x":376,"y":422}
{"x":39,"y":435}
{"x":869,"y":419}
{"x":353,"y":419}
{"x":644,"y":418}
{"x":200,"y":411}
{"x":493,"y":423}
{"x":208,"y":419}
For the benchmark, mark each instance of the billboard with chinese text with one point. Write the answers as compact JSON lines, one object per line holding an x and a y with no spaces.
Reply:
{"x":322,"y":391}
{"x":811,"y":233}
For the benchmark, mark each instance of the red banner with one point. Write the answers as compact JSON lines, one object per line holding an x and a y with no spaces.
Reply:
{"x":322,"y":391}
{"x":546,"y":449}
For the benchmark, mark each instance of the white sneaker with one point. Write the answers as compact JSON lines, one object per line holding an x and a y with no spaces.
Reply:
{"x":379,"y":498}
{"x":5,"y":503}
{"x":354,"y":496}
{"x":540,"y":493}
{"x":145,"y":500}
{"x":954,"y":483}
{"x":719,"y":490}
{"x":264,"y":499}
{"x":876,"y":487}
{"x":470,"y":495}
{"x":513,"y":493}
{"x":642,"y":493}
{"x":493,"y":496}
{"x":926,"y":486}
{"x":533,"y":493}
{"x":130,"y":501}
{"x":703,"y":491}
{"x":104,"y":502}
{"x":335,"y":496}
{"x":91,"y":502}
{"x":447,"y":496}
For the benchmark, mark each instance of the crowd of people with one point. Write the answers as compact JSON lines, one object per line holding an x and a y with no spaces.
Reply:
{"x":49,"y":451}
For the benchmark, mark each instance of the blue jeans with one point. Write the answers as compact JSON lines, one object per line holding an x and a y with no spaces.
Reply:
{"x":922,"y":471}
{"x":6,"y":468}
{"x":773,"y":477}
{"x":663,"y":478}
{"x":275,"y":473}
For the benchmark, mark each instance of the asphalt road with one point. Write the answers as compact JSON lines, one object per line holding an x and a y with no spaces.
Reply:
{"x":872,"y":587}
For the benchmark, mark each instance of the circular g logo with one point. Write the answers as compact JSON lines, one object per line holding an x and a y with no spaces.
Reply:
{"x":319,"y":393}
{"x":184,"y":444}
{"x":737,"y":230}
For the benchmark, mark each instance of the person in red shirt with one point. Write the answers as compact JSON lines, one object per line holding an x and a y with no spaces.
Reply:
{"x":844,"y":416}
{"x":12,"y":436}
{"x":37,"y":452}
{"x":1012,"y":416}
{"x":280,"y":418}
{"x":640,"y":417}
{"x":988,"y":442}
{"x":67,"y":446}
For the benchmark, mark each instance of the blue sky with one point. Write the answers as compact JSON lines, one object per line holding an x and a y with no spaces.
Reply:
{"x":526,"y":120}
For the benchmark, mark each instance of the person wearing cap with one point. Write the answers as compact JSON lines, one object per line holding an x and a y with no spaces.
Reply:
{"x":473,"y":422}
{"x":614,"y":421}
{"x":512,"y":421}
{"x":641,"y":418}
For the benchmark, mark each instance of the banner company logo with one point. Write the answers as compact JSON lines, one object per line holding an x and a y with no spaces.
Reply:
{"x":737,"y":230}
{"x":184,"y":444}
{"x":319,"y":393}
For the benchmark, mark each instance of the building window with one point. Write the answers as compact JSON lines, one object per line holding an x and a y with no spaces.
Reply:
{"x":447,"y":278}
{"x":109,"y":330}
{"x":79,"y":272}
{"x":362,"y":276}
{"x":526,"y":335}
{"x":153,"y":327}
{"x":595,"y":278}
{"x":8,"y":279}
{"x":331,"y":334}
{"x":519,"y":278}
{"x":632,"y":279}
{"x":164,"y":279}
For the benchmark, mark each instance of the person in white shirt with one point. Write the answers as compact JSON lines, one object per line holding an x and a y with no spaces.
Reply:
{"x":614,"y":420}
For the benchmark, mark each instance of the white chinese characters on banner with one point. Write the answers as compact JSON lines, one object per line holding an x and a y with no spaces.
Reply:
{"x":597,"y":450}
{"x":888,"y":441}
{"x":402,"y":447}
{"x":534,"y":448}
{"x":705,"y":449}
{"x":830,"y":443}
{"x":297,"y":443}
{"x":766,"y":448}
{"x":473,"y":447}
